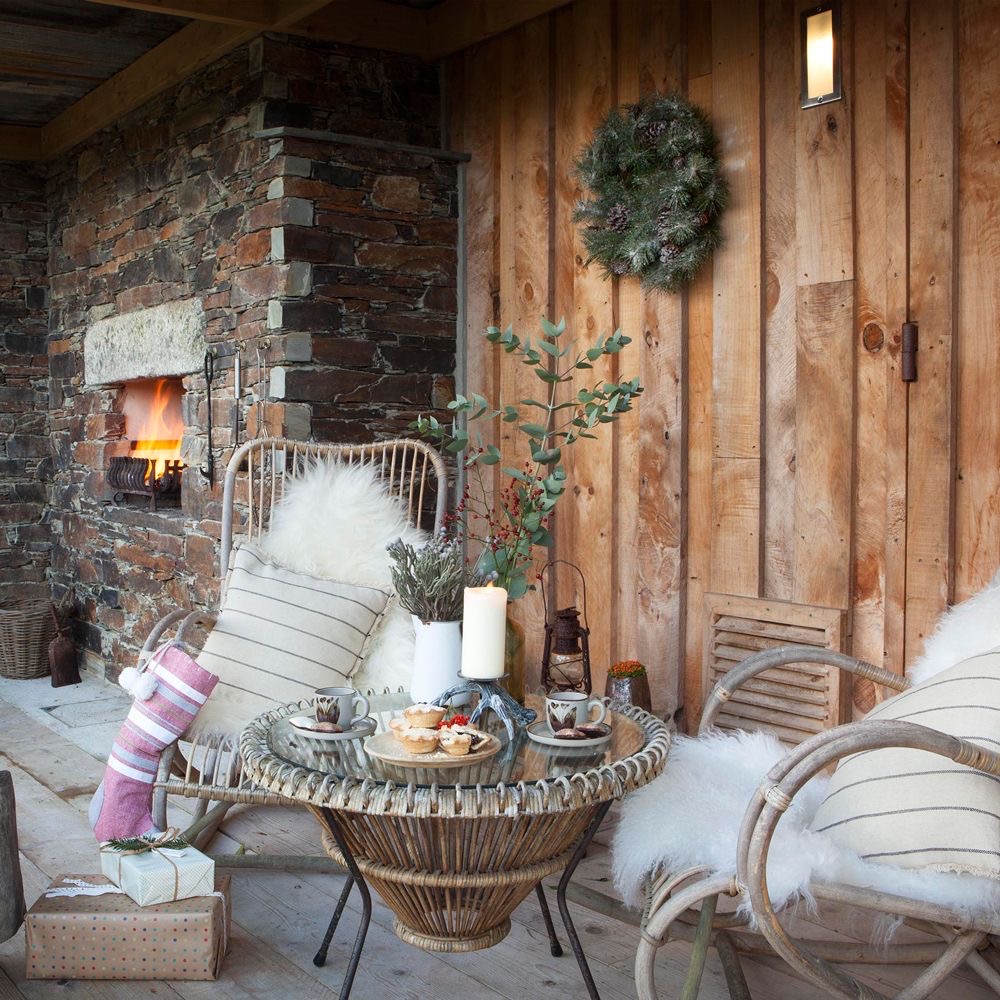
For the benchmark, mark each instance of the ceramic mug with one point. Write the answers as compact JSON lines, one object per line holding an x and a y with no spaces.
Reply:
{"x":567,"y":709}
{"x":334,"y":704}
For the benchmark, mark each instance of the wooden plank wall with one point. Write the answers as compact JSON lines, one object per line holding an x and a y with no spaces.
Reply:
{"x":776,"y":452}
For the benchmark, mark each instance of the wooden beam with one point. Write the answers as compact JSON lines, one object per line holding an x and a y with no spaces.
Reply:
{"x":459,"y":24}
{"x":192,"y":48}
{"x":369,"y":24}
{"x":20,"y":142}
{"x":184,"y":53}
{"x":248,"y":13}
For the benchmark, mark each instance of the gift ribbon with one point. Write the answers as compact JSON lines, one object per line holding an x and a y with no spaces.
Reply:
{"x":156,"y":845}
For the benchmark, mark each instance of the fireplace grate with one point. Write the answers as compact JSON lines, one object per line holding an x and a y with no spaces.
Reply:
{"x":137,"y":476}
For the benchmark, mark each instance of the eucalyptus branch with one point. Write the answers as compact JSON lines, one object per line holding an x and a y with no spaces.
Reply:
{"x":517,"y":513}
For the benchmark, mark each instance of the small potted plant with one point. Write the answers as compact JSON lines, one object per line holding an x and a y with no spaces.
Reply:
{"x":430,"y":581}
{"x":627,"y":684}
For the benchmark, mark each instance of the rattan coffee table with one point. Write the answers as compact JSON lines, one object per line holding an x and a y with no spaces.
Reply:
{"x":453,"y":851}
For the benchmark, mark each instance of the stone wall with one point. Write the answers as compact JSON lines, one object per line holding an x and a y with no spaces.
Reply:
{"x":24,"y":463}
{"x":337,"y":259}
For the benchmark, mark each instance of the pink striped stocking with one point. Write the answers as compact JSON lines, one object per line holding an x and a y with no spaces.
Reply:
{"x":122,"y":804}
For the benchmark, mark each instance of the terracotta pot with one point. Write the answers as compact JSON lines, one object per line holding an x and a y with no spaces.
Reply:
{"x":629,"y":691}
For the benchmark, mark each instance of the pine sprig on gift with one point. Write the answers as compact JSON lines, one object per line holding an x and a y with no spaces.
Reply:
{"x":656,"y":192}
{"x":144,"y":844}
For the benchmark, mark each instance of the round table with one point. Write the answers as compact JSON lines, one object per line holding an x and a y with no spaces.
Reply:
{"x":453,"y":851}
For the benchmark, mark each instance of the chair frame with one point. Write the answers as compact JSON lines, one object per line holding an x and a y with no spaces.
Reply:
{"x":683,"y":904}
{"x":209,"y":768}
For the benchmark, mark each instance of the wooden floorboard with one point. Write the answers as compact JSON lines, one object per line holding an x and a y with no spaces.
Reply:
{"x":280,"y":917}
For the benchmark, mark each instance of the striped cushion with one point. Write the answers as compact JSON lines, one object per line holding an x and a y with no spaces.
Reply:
{"x":915,"y":809}
{"x":280,"y":635}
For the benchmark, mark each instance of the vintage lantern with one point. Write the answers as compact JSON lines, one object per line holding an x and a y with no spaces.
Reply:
{"x":566,"y":656}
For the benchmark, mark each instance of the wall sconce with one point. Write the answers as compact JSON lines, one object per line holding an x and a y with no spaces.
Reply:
{"x":820,"y":42}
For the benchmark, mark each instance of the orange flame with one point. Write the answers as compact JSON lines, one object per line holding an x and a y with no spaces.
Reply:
{"x":154,"y":423}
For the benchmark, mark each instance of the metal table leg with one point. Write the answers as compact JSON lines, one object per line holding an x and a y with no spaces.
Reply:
{"x":574,"y":940}
{"x":356,"y":878}
{"x":320,"y":957}
{"x":543,"y":904}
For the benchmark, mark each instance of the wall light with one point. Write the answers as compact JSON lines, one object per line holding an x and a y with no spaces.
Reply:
{"x":820,"y":41}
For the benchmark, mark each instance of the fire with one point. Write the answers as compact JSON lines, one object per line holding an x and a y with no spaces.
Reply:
{"x":153,"y":421}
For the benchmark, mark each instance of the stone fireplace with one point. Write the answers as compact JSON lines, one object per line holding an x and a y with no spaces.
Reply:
{"x":265,"y":210}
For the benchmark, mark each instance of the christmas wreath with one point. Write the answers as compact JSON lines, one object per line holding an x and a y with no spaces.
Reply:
{"x":656,"y":191}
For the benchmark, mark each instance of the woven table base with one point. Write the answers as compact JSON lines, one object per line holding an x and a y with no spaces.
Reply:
{"x":469,"y":908}
{"x":443,"y":944}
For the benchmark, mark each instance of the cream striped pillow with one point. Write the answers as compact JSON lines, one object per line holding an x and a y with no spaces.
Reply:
{"x":915,"y":809}
{"x":280,"y":635}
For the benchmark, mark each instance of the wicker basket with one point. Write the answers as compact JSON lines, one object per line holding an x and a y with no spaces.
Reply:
{"x":26,"y":628}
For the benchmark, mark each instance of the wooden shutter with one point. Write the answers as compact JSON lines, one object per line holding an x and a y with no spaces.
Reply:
{"x":792,"y":702}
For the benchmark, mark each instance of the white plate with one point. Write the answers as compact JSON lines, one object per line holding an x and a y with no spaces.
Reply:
{"x":360,"y":728}
{"x":539,"y":732}
{"x":387,"y":748}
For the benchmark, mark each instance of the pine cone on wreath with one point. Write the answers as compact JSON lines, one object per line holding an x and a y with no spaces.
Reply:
{"x":652,"y":131}
{"x":663,"y":220}
{"x":618,"y":218}
{"x":703,"y":219}
{"x":679,"y":163}
{"x":668,"y":251}
{"x":619,"y":267}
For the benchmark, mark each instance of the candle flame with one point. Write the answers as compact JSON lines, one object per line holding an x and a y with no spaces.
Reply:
{"x":489,"y":583}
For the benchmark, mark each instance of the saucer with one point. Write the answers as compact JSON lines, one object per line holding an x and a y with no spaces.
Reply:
{"x":539,"y":732}
{"x":359,"y":728}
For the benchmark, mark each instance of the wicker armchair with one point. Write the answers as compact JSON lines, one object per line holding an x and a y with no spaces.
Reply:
{"x":210,"y":770}
{"x":683,"y":904}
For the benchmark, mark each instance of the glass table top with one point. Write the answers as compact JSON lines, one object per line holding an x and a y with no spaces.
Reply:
{"x":519,"y":760}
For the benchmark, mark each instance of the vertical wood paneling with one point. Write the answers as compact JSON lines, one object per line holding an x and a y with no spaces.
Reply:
{"x":736,"y":417}
{"x":524,"y":270}
{"x":659,"y":345}
{"x":977,"y":504}
{"x":773,"y":452}
{"x":780,"y":270}
{"x":699,"y":400}
{"x":587,"y":509}
{"x":479,"y":132}
{"x":823,"y":443}
{"x":931,"y":459}
{"x":897,"y":264}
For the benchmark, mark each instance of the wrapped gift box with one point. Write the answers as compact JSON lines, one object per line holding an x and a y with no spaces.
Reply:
{"x":161,"y":875}
{"x":112,"y":937}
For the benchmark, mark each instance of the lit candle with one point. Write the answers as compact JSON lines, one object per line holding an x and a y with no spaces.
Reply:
{"x":484,"y":630}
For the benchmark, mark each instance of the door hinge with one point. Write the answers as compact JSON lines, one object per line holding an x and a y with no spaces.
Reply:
{"x":908,"y":356}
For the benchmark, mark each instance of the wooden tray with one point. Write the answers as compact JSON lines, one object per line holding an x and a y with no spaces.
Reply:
{"x":387,"y":748}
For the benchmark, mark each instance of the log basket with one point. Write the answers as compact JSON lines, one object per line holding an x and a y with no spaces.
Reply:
{"x":25,"y":632}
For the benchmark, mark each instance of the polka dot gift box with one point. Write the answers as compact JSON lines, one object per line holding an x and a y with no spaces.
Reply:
{"x":110,"y":937}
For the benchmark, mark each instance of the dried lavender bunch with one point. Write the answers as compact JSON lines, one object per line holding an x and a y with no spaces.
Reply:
{"x":431,"y":579}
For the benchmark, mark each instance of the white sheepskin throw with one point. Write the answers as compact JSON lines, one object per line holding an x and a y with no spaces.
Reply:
{"x":335,"y":521}
{"x":968,"y":629}
{"x":691,"y":816}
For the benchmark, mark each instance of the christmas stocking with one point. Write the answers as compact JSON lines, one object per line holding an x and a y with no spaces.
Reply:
{"x":167,"y":696}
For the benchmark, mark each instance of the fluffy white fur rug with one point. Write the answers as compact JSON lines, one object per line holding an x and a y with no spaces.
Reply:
{"x":335,"y":520}
{"x":691,"y":815}
{"x":967,"y":629}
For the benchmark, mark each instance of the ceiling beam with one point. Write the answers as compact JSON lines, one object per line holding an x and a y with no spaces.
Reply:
{"x":195,"y":46}
{"x":367,"y":24}
{"x":247,"y":13}
{"x":20,"y":142}
{"x":459,"y":24}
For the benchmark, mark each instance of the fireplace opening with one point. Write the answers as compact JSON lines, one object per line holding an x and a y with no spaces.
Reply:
{"x":154,"y":427}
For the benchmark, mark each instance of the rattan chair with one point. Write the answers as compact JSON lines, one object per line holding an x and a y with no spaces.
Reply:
{"x":209,"y":769}
{"x":683,"y":904}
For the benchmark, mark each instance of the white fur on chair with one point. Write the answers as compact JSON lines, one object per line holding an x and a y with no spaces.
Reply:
{"x":335,"y":520}
{"x":691,"y":816}
{"x":966,"y":630}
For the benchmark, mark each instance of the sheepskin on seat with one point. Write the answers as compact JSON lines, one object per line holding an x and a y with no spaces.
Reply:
{"x":691,"y":815}
{"x":335,"y":521}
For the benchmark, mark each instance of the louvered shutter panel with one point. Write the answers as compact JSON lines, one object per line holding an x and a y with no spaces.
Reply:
{"x":792,"y":702}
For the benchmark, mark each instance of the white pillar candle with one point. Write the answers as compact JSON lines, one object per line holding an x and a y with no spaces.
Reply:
{"x":484,"y":631}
